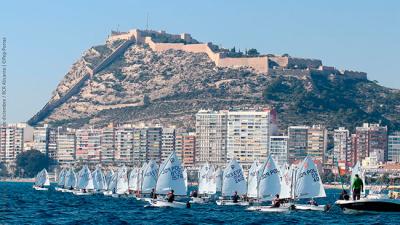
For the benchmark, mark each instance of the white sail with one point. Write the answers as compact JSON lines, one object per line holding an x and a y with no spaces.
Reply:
{"x":308,"y":181}
{"x":61,"y":177}
{"x":212,"y":181}
{"x":252,"y":181}
{"x":108,"y":178}
{"x":286,"y":182}
{"x":185,"y":178}
{"x":203,"y":179}
{"x":149,"y":175}
{"x":122,"y":180}
{"x":112,"y":186}
{"x":140,"y":183}
{"x":218,"y":180}
{"x":357,"y":169}
{"x":70,"y":179}
{"x":171,"y":177}
{"x":42,"y":178}
{"x":233,"y":179}
{"x":133,"y":180}
{"x":85,"y":179}
{"x":270,"y":180}
{"x":99,"y":180}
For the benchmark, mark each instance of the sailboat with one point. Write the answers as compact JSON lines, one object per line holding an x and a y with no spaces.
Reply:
{"x":268,"y":186}
{"x":121,"y":187}
{"x":133,"y":180}
{"x":233,"y":181}
{"x":149,"y":180}
{"x":42,"y":180}
{"x":70,"y":181}
{"x":111,"y":184}
{"x":252,"y":181}
{"x":170,"y":178}
{"x":309,"y":185}
{"x":372,"y":204}
{"x":85,"y":182}
{"x":108,"y":178}
{"x":206,"y":184}
{"x":61,"y":180}
{"x":99,"y":180}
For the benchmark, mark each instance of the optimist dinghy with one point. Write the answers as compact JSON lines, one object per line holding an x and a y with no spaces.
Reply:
{"x":85,"y":182}
{"x":42,"y":181}
{"x":61,"y":180}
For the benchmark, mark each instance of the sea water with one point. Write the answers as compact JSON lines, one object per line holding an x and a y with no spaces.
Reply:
{"x":20,"y":204}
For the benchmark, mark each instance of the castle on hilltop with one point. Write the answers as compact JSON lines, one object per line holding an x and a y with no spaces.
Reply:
{"x":264,"y":64}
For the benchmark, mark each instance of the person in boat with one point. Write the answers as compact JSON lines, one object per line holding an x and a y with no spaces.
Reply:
{"x":357,"y":187}
{"x":84,"y":191}
{"x":276,"y":203}
{"x":153,"y":194}
{"x":313,"y":202}
{"x":71,"y":188}
{"x":194,"y":194}
{"x":235,"y":197}
{"x":344,"y":195}
{"x":171,"y":196}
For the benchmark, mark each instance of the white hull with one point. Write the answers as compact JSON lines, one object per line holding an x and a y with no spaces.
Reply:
{"x":68,"y":190}
{"x":82,"y":193}
{"x":231,"y":203}
{"x":163,"y":203}
{"x":197,"y":200}
{"x":59,"y":189}
{"x":311,"y":207}
{"x":40,"y":188}
{"x":107,"y":193}
{"x":269,"y":209}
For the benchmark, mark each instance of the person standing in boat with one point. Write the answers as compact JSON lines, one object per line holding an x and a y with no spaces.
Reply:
{"x":153,"y":194}
{"x":358,"y":187}
{"x":235,"y":197}
{"x":171,"y":196}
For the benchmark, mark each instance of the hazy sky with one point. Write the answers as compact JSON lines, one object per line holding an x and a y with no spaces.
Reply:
{"x":44,"y":38}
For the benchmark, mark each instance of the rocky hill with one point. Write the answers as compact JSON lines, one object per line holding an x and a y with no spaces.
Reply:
{"x":169,"y":87}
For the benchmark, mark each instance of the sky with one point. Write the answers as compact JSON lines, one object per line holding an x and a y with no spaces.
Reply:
{"x":44,"y":38}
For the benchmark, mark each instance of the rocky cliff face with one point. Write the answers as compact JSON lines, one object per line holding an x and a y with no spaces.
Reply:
{"x":143,"y":86}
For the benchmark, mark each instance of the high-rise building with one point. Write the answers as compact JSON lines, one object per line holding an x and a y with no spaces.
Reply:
{"x":248,"y":135}
{"x":154,"y":136}
{"x":341,"y":147}
{"x":278,"y":149}
{"x":66,"y":145}
{"x":188,"y":149}
{"x":108,"y":147}
{"x":124,"y":144}
{"x":52,"y":143}
{"x":168,"y":142}
{"x":370,"y":138}
{"x":88,"y":144}
{"x":40,"y":138}
{"x":139,"y":144}
{"x":211,"y":131}
{"x":297,"y":143}
{"x":317,"y":142}
{"x":11,"y":142}
{"x":394,"y":147}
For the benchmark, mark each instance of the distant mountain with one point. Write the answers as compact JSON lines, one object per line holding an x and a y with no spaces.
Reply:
{"x":127,"y":81}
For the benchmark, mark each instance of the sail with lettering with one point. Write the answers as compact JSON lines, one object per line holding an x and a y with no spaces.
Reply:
{"x":171,"y":176}
{"x":122,"y":180}
{"x":61,"y":177}
{"x":287,"y":182}
{"x":252,"y":181}
{"x":203,"y":179}
{"x":357,"y":169}
{"x":270,"y":180}
{"x":99,"y":180}
{"x":211,"y":181}
{"x":233,"y":179}
{"x":85,"y":179}
{"x":308,"y":181}
{"x":149,"y":175}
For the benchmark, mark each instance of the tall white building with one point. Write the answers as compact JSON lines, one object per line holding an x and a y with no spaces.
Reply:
{"x":342,"y":146}
{"x":211,"y":131}
{"x":394,"y":147}
{"x":108,"y":144}
{"x":297,"y":142}
{"x":317,"y":142}
{"x":11,"y":142}
{"x":248,"y":135}
{"x":278,"y":149}
{"x":88,"y":144}
{"x":124,"y":144}
{"x":66,"y":145}
{"x":40,"y":138}
{"x":167,"y":142}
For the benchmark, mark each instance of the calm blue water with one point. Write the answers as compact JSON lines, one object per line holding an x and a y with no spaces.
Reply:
{"x":20,"y":204}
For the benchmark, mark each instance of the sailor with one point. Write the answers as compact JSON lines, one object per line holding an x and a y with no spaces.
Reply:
{"x":313,"y":202}
{"x":344,"y":196}
{"x":84,"y":191}
{"x":357,"y":187}
{"x":194,"y":194}
{"x":171,"y":196}
{"x":276,"y":203}
{"x":153,"y":194}
{"x":235,"y":197}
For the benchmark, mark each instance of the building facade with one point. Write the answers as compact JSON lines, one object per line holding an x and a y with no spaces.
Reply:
{"x":297,"y":143}
{"x":341,"y":147}
{"x":11,"y":142}
{"x":278,"y":149}
{"x":124,"y":145}
{"x":66,"y":145}
{"x":168,"y":142}
{"x":394,"y":147}
{"x":368,"y":139}
{"x":317,"y":143}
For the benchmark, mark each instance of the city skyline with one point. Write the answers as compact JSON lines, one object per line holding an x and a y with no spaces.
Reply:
{"x":50,"y":47}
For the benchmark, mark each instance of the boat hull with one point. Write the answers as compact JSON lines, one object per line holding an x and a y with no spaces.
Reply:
{"x":197,"y":200}
{"x":231,"y":203}
{"x":82,"y":193}
{"x":311,"y":207}
{"x":40,"y":188}
{"x":162,"y":203}
{"x":269,"y":209}
{"x":369,"y":205}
